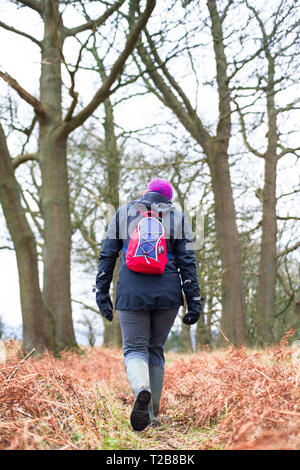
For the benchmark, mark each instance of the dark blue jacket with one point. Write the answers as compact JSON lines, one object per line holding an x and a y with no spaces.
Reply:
{"x":136,"y":291}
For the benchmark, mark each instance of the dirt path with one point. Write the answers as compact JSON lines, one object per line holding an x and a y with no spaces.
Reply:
{"x":169,"y":436}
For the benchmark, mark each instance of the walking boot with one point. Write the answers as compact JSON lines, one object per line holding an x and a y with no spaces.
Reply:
{"x":137,"y":371}
{"x":156,"y":383}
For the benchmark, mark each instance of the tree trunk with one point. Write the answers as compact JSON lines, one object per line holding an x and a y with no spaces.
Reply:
{"x":112,"y":334}
{"x":267,"y":271}
{"x":296,"y":312}
{"x":112,"y":330}
{"x":185,"y":339}
{"x":55,"y":192}
{"x":38,"y":324}
{"x":203,"y":331}
{"x":57,"y":238}
{"x":233,"y":310}
{"x":113,"y":157}
{"x":233,"y":315}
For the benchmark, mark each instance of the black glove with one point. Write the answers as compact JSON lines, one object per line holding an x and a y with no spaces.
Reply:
{"x":105,"y":305}
{"x":194,"y":311}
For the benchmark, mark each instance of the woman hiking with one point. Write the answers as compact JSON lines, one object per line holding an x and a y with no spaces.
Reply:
{"x":157,"y":263}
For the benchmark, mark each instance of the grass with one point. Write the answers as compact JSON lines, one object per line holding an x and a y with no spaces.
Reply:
{"x":224,"y":399}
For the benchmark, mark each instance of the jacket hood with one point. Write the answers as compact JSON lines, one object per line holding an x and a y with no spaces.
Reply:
{"x":155,"y":202}
{"x":132,"y":213}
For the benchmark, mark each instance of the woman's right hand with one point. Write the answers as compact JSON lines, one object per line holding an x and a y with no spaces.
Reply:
{"x":105,"y":305}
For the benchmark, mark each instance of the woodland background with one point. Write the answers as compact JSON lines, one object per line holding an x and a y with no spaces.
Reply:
{"x":205,"y":94}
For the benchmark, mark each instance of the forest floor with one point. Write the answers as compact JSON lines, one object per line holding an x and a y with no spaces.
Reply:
{"x":223,"y":399}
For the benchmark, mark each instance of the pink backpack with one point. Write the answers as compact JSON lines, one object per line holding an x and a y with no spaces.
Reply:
{"x":147,"y":249}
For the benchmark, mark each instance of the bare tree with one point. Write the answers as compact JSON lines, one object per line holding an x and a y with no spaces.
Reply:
{"x":38,"y":325}
{"x":162,"y":82}
{"x":54,"y":130}
{"x":276,"y":70}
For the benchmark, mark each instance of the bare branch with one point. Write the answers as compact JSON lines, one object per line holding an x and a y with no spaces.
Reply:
{"x":288,"y":194}
{"x":287,"y":218}
{"x":105,"y":89}
{"x":86,"y":306}
{"x":20,"y":364}
{"x":243,"y":234}
{"x":25,"y":157}
{"x":33,"y":4}
{"x":244,"y":134}
{"x":72,"y":92}
{"x":286,"y":151}
{"x":289,"y":302}
{"x":288,"y":250}
{"x":93,"y":24}
{"x":21,"y":33}
{"x":28,"y":132}
{"x":289,"y":107}
{"x":169,"y":77}
{"x":36,"y":104}
{"x":166,"y":84}
{"x":34,"y":215}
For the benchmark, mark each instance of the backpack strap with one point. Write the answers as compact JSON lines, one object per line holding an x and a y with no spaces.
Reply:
{"x":145,"y":214}
{"x":168,"y":254}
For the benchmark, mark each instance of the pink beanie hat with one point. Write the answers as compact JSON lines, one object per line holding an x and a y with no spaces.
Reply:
{"x":161,"y":186}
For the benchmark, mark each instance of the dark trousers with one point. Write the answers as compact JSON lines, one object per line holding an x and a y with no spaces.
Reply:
{"x":145,"y":333}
